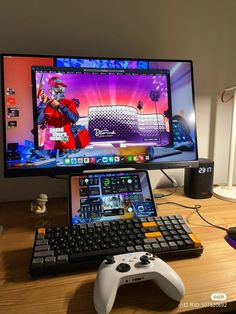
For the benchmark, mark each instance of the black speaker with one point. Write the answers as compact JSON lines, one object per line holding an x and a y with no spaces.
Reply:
{"x":198,"y":182}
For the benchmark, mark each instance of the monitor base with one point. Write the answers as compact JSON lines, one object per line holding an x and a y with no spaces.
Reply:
{"x":225,"y":193}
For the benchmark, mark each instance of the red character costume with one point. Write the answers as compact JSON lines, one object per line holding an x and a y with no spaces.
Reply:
{"x":56,"y":114}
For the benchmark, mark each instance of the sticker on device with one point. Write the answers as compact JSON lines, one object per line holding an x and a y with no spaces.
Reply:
{"x":218,"y":296}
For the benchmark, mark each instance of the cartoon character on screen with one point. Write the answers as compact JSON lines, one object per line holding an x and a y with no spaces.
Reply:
{"x":57,"y":114}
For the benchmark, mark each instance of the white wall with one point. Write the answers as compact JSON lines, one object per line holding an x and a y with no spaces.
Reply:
{"x":201,"y":30}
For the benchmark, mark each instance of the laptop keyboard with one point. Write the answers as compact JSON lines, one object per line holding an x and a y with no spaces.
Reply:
{"x":68,"y":248}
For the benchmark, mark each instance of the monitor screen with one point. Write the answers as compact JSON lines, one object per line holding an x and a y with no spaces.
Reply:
{"x":65,"y":115}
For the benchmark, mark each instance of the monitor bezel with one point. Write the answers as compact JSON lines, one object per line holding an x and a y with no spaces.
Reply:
{"x":53,"y":172}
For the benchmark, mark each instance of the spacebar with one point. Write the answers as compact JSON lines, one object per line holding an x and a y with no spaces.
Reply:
{"x":95,"y":255}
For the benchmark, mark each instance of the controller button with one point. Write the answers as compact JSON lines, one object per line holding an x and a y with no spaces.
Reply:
{"x":110,"y":259}
{"x":144,"y":259}
{"x":123,"y":267}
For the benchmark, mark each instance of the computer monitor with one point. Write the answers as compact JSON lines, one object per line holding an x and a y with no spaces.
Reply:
{"x":63,"y":115}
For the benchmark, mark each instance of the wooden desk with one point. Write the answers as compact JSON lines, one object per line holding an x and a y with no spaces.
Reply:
{"x":213,"y":272}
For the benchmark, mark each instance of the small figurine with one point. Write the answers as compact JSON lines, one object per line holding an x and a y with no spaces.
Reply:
{"x":40,"y":207}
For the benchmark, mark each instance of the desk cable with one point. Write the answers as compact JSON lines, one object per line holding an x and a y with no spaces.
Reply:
{"x":196,"y":207}
{"x":174,"y":183}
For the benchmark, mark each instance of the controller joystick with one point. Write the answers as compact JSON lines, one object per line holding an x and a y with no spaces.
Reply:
{"x":144,"y":260}
{"x":129,"y":268}
{"x":123,"y":267}
{"x":110,"y":259}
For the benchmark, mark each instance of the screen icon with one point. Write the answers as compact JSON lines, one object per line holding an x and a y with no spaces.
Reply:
{"x":10,"y":91}
{"x":92,"y":160}
{"x":117,"y":158}
{"x":104,"y":159}
{"x":13,"y":112}
{"x":66,"y":161}
{"x":11,"y":101}
{"x":130,"y":158}
{"x":73,"y":161}
{"x":80,"y":160}
{"x":111,"y":159}
{"x":86,"y":160}
{"x":12,"y":124}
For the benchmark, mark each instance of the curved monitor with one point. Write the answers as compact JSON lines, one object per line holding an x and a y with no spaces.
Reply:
{"x":63,"y":115}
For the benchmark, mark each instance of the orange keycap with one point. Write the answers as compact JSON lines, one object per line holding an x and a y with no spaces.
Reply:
{"x":149,"y":224}
{"x":152,"y":235}
{"x":195,"y":240}
{"x":41,"y":230}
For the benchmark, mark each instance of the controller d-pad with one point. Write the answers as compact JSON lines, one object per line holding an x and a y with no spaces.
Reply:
{"x":123,"y":267}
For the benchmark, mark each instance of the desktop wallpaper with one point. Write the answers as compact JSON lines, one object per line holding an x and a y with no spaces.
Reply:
{"x":112,"y":107}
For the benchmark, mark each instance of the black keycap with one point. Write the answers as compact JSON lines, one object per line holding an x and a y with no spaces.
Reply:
{"x":62,"y":259}
{"x":130,"y":249}
{"x":156,"y":247}
{"x":177,"y":237}
{"x":173,"y":245}
{"x":50,"y":260}
{"x":151,"y":240}
{"x":139,"y":248}
{"x":37,"y":262}
{"x":147,"y":247}
{"x":180,"y":244}
{"x":164,"y":246}
{"x":189,"y":243}
{"x":44,"y":253}
{"x":100,"y":254}
{"x":41,"y":242}
{"x":39,"y":248}
{"x":168,"y":238}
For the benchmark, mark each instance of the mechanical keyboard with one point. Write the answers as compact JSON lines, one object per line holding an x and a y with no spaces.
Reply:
{"x":68,"y":248}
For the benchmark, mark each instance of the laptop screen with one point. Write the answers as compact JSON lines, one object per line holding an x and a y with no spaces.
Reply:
{"x":110,"y":196}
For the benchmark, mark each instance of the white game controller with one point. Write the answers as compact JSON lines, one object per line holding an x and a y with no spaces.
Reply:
{"x":129,"y":268}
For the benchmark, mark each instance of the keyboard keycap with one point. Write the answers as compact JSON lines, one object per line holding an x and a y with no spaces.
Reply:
{"x":186,"y":228}
{"x":50,"y":260}
{"x":62,"y":259}
{"x":195,"y":240}
{"x":37,"y":262}
{"x":44,"y":253}
{"x":100,"y":254}
{"x":152,"y":235}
